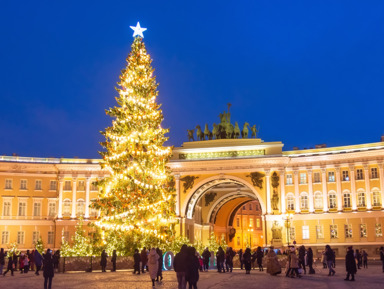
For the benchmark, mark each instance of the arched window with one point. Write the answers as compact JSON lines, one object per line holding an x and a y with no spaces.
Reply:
{"x":67,"y":207}
{"x":361,"y":199}
{"x":347,"y":200}
{"x":376,"y":199}
{"x":80,"y":207}
{"x":304,"y":201}
{"x":318,"y":200}
{"x":332,"y":200}
{"x":290,"y":203}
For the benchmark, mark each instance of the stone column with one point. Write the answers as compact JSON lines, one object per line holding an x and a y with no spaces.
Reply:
{"x":310,"y":191}
{"x":60,"y":209}
{"x":74,"y":187}
{"x":338,"y":189}
{"x":325,"y":192}
{"x":177,"y":185}
{"x":353,"y":187}
{"x":282,"y":191}
{"x":367,"y":187}
{"x":297,"y":193}
{"x":268,"y":190}
{"x":87,"y":189}
{"x":381,"y":172}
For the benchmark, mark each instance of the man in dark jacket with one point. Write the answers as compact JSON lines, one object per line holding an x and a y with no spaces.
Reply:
{"x":330,"y":255}
{"x":38,"y":261}
{"x":10,"y":265}
{"x":144,"y":259}
{"x":136,"y":262}
{"x":206,"y":255}
{"x":302,"y":258}
{"x":160,"y":266}
{"x":241,"y":258}
{"x":103,"y":261}
{"x":48,"y":269}
{"x":180,"y":266}
{"x":310,"y":260}
{"x":350,"y":264}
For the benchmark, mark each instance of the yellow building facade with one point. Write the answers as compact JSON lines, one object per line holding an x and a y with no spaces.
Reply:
{"x":312,"y":197}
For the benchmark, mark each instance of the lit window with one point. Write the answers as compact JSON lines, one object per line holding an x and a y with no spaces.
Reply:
{"x":334,"y":232}
{"x":4,"y":238}
{"x":67,"y":186}
{"x":331,"y":176}
{"x":318,"y":201}
{"x":378,"y":230}
{"x":23,"y":184}
{"x":51,"y":209}
{"x":22,"y":208}
{"x":38,"y":185}
{"x":67,"y":207}
{"x":37,"y":209}
{"x":332,"y":201}
{"x":359,"y":174}
{"x":7,"y":208}
{"x":316,"y":177}
{"x":374,"y":173}
{"x":250,"y":222}
{"x":361,"y":199}
{"x":8,"y":184}
{"x":348,"y":230}
{"x":292,"y":234}
{"x":80,"y":207}
{"x":51,"y":237}
{"x":363,"y":230}
{"x":319,"y":232}
{"x":258,"y":223}
{"x":303,"y":178}
{"x":35,"y":237}
{"x":376,"y":198}
{"x":289,"y":179}
{"x":347,"y":200}
{"x":290,"y":203}
{"x":304,"y":202}
{"x":345,"y":176}
{"x":305,"y":232}
{"x":20,"y":237}
{"x":53,"y":185}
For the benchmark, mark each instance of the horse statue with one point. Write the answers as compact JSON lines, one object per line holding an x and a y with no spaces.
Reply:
{"x":216,"y":131}
{"x":190,"y":134}
{"x":199,"y":133}
{"x":229,"y":130}
{"x":254,"y":131}
{"x":207,"y":133}
{"x":244,"y":132}
{"x":236,"y":130}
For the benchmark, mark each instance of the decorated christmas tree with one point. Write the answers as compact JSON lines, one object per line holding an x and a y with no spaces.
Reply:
{"x":136,"y":199}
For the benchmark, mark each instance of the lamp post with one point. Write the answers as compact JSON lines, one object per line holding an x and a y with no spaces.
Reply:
{"x":287,"y":218}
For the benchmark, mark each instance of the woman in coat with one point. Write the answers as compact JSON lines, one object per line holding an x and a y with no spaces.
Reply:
{"x":48,"y":269}
{"x":247,"y":259}
{"x":294,"y":263}
{"x":350,"y":264}
{"x":113,"y":260}
{"x":273,"y":265}
{"x":193,"y":264}
{"x":153,"y":265}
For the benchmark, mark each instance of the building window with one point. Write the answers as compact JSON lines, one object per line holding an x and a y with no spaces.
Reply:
{"x":51,"y":209}
{"x":20,"y":237}
{"x":289,"y":179}
{"x":348,"y":230}
{"x":331,"y":176}
{"x":292,"y":235}
{"x":250,"y":206}
{"x":7,"y":208}
{"x":93,"y":212}
{"x":38,"y":185}
{"x":94,"y":186}
{"x":258,"y":223}
{"x":303,"y":178}
{"x":363,"y":230}
{"x":345,"y":176}
{"x":80,"y":207}
{"x":374,"y":173}
{"x":378,"y":230}
{"x":4,"y":238}
{"x":304,"y":202}
{"x":290,"y":203}
{"x":361,"y":199}
{"x":305,"y":232}
{"x":22,"y":208}
{"x":376,"y":199}
{"x":80,"y":186}
{"x":67,"y":207}
{"x":35,"y":237}
{"x":53,"y":185}
{"x":37,"y":209}
{"x":8,"y":184}
{"x":51,"y":238}
{"x":316,"y":177}
{"x":334,"y":232}
{"x":23,"y":184}
{"x":250,"y":222}
{"x":359,"y":174}
{"x":238,"y":241}
{"x":237,"y":222}
{"x":66,"y":236}
{"x":347,"y":200}
{"x":332,"y":201}
{"x":318,"y":201}
{"x":67,"y":186}
{"x":319,"y":232}
{"x":244,"y":208}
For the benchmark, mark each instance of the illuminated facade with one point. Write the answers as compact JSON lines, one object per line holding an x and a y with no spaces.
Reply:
{"x":335,"y":195}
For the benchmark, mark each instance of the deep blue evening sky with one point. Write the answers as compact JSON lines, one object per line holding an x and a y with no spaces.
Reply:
{"x":306,"y":72}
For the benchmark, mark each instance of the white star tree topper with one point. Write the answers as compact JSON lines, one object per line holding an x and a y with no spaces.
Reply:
{"x":138,"y":30}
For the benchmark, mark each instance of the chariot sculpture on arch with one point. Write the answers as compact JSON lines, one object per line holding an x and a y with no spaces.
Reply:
{"x":223,"y":130}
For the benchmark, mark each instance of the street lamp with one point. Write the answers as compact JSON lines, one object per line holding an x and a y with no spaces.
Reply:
{"x":287,"y":218}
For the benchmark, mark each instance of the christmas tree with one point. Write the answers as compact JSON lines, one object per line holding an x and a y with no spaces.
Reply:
{"x":137,"y":196}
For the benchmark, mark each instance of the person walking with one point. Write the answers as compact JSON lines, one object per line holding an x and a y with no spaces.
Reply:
{"x":192,"y":272}
{"x":2,"y":260}
{"x":364,"y":256}
{"x":247,"y":259}
{"x":302,"y":258}
{"x":113,"y":260}
{"x":330,"y":255}
{"x":10,"y":265}
{"x":31,"y":257}
{"x":220,"y":257}
{"x":382,"y":257}
{"x":229,"y":259}
{"x":38,"y":261}
{"x":14,"y":258}
{"x":273,"y":265}
{"x":206,"y":255}
{"x":103,"y":261}
{"x":21,"y":263}
{"x":310,"y":260}
{"x":241,"y":259}
{"x":144,"y":259}
{"x":180,"y":266}
{"x":160,"y":267}
{"x":153,"y":265}
{"x":294,"y":263}
{"x":48,"y":269}
{"x":136,"y":262}
{"x":259,"y":258}
{"x":350,"y":264}
{"x":26,"y":263}
{"x":324,"y":260}
{"x":56,"y":260}
{"x":358,"y":258}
